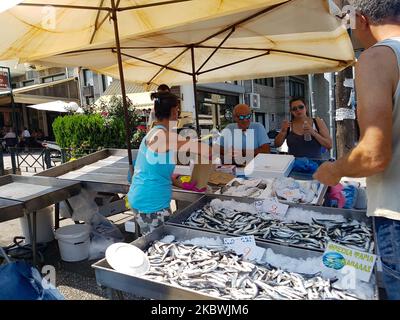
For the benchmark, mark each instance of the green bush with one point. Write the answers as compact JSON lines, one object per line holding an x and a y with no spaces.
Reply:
{"x":103,"y":127}
{"x":81,"y":132}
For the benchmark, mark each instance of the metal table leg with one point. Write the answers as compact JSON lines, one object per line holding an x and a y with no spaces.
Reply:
{"x":32,"y":234}
{"x":56,"y":215}
{"x":34,"y":239}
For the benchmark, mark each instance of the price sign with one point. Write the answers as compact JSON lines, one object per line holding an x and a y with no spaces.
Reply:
{"x":272,"y":206}
{"x":245,"y":246}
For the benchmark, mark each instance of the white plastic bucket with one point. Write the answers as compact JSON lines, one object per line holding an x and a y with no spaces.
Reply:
{"x":73,"y":242}
{"x":44,"y":226}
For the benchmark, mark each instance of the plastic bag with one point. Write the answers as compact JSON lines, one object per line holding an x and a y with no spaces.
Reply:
{"x":336,"y":197}
{"x":83,"y":206}
{"x":350,"y":193}
{"x":305,"y":165}
{"x":20,"y":281}
{"x":103,"y":234}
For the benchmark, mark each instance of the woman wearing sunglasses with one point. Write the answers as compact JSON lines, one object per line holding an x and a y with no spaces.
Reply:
{"x":304,"y":135}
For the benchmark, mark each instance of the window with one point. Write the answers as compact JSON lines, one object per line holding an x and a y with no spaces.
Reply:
{"x":272,"y":117}
{"x":296,"y":88}
{"x":54,"y":77}
{"x":28,"y":83}
{"x":88,"y":77}
{"x":235,"y":82}
{"x":106,"y":81}
{"x":267,"y":82}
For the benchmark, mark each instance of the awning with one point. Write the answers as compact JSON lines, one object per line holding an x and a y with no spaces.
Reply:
{"x":36,"y":86}
{"x":20,"y":95}
{"x":137,"y":94}
{"x":58,"y":106}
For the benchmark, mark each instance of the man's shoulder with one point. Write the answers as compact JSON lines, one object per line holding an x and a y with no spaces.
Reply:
{"x":231,"y":126}
{"x":257,"y":126}
{"x":375,"y":60}
{"x":377,"y":55}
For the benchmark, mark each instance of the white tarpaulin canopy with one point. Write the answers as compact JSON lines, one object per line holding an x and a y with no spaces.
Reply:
{"x":57,"y":106}
{"x":177,"y":41}
{"x":37,"y":28}
{"x":294,"y":37}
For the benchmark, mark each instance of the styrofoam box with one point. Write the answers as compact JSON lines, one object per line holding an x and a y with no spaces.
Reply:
{"x":269,"y":166}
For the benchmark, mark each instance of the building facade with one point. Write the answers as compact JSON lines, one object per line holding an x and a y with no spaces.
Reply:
{"x":269,"y":98}
{"x":48,"y":85}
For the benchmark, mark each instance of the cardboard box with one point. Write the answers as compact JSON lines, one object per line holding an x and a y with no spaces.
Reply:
{"x":201,"y":174}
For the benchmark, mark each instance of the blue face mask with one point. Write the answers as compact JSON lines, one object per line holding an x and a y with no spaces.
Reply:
{"x":246,"y":117}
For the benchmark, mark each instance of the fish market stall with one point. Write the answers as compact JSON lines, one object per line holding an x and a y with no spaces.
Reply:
{"x":20,"y":195}
{"x":194,"y":264}
{"x":285,"y":189}
{"x":303,"y":226}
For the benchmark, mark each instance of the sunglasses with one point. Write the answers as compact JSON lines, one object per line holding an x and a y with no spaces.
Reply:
{"x":294,"y":109}
{"x":246,"y":117}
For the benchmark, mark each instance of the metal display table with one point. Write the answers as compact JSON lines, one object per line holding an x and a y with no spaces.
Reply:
{"x":21,"y":196}
{"x":102,"y":171}
{"x":10,"y":208}
{"x":106,"y":171}
{"x":139,"y":286}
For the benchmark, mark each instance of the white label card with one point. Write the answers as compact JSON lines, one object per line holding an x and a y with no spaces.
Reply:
{"x":245,"y":246}
{"x":272,"y":206}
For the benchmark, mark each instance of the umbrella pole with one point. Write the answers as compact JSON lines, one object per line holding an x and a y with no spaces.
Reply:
{"x":123,"y":91}
{"x":196,"y":103}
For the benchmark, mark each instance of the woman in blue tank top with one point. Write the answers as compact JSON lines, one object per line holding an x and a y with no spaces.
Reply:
{"x":301,"y":126}
{"x":150,"y":192}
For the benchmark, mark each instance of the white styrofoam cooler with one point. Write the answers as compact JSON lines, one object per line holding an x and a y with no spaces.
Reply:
{"x":269,"y":166}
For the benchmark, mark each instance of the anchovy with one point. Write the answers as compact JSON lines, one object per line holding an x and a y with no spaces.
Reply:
{"x":313,"y":235}
{"x":223,"y":274}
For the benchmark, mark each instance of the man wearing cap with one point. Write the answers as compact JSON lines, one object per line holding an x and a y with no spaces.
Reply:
{"x":243,"y":139}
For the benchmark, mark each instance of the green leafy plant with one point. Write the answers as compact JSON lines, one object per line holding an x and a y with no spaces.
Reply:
{"x":101,"y":126}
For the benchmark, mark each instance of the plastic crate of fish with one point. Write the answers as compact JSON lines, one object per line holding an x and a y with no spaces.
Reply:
{"x":304,"y":226}
{"x":285,"y":189}
{"x":193,"y":264}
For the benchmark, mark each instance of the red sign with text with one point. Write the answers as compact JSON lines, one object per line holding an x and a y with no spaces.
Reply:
{"x":3,"y":80}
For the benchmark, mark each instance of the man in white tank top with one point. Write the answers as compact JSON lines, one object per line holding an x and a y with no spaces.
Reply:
{"x":377,"y":156}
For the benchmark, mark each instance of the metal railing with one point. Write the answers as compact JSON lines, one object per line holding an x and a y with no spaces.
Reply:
{"x":34,"y":160}
{"x":31,"y":160}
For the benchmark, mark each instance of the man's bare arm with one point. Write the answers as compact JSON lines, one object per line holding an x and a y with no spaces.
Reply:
{"x":376,"y":80}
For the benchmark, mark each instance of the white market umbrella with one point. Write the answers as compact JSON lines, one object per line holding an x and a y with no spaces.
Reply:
{"x":34,"y":29}
{"x":58,"y":106}
{"x":289,"y":38}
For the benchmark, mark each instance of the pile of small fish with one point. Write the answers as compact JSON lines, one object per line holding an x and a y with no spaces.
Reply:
{"x":225,"y":275}
{"x":283,"y":188}
{"x":314,"y":235}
